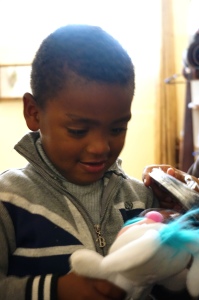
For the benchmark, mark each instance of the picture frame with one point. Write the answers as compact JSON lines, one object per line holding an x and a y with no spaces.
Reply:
{"x":14,"y":81}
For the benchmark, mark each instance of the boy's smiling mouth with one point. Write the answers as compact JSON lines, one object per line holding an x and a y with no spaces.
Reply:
{"x":94,"y":167}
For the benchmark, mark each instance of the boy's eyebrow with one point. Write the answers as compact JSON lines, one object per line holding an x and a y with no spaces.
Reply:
{"x":80,"y":119}
{"x":123,"y":119}
{"x":86,"y":120}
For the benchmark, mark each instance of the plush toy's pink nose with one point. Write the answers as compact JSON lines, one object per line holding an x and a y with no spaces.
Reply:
{"x":155,"y":216}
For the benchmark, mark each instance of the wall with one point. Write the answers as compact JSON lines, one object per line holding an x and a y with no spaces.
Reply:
{"x":140,"y":146}
{"x":13,"y":127}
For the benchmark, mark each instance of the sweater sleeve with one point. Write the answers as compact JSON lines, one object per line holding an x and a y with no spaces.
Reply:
{"x":20,"y":288}
{"x":11,"y":287}
{"x":28,"y":288}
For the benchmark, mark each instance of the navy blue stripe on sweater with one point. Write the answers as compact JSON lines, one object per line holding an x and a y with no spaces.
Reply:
{"x":21,"y":266}
{"x":36,"y":231}
{"x":130,"y":214}
{"x":41,"y":288}
{"x":42,"y":247}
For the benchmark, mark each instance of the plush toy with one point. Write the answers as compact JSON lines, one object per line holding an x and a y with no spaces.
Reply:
{"x":148,"y":252}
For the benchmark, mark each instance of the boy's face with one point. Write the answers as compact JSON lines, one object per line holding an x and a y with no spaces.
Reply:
{"x":83,"y":129}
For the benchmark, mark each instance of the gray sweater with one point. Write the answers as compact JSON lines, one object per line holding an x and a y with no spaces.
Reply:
{"x":42,"y":222}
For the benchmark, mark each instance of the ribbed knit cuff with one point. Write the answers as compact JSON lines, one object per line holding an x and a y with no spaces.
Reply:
{"x":54,"y":287}
{"x":42,"y":287}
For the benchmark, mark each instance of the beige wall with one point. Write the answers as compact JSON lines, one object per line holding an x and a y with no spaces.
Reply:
{"x":140,"y":146}
{"x":13,"y":127}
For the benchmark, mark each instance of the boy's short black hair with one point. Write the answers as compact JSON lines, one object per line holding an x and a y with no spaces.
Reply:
{"x":85,"y":50}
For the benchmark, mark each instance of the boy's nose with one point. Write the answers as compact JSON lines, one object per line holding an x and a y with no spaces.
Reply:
{"x":98,"y":145}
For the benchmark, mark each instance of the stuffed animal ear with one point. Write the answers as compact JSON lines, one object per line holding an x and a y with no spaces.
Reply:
{"x":86,"y":263}
{"x":192,"y":277}
{"x":132,"y":254}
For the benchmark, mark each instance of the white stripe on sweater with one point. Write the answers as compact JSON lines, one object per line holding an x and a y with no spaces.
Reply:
{"x":47,"y":286}
{"x":35,"y":287}
{"x":48,"y":251}
{"x":46,"y":213}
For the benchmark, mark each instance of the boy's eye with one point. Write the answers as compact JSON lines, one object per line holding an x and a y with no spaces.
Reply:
{"x":77,"y":132}
{"x":119,"y":130}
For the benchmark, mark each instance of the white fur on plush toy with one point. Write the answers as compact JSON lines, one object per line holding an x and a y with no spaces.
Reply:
{"x":146,"y":254}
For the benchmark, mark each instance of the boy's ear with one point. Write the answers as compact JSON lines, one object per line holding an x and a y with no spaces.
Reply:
{"x":31,"y":112}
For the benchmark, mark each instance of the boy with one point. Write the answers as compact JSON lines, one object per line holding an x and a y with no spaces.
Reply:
{"x":73,"y":193}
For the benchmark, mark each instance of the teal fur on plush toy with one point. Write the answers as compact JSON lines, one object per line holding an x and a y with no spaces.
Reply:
{"x":180,"y":233}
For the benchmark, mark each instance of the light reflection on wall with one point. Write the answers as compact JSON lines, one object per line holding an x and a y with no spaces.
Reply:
{"x":134,"y":23}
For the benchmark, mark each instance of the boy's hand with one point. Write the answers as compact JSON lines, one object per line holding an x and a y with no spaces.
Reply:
{"x":166,"y":168}
{"x":75,"y":287}
{"x":166,"y":201}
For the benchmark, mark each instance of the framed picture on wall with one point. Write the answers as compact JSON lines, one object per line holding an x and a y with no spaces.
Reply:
{"x":14,"y":81}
